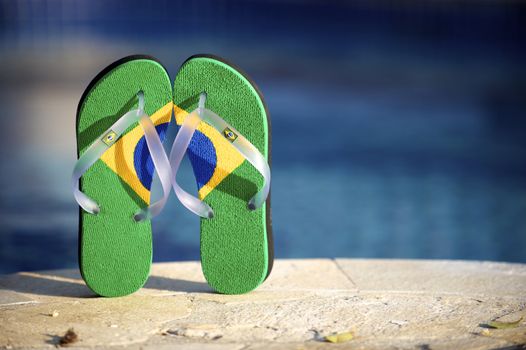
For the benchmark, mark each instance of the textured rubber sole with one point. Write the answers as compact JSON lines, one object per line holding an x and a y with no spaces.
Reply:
{"x":115,"y":252}
{"x":236,"y":245}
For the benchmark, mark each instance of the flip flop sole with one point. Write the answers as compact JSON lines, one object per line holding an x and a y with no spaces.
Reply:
{"x":236,"y":244}
{"x":115,"y":252}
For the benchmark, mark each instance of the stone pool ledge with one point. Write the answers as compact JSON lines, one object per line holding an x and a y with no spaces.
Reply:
{"x":406,"y":304}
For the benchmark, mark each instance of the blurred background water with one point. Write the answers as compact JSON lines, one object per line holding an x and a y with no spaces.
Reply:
{"x":398,"y":126}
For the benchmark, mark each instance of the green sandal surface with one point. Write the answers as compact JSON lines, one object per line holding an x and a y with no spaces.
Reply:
{"x":115,"y":252}
{"x":236,"y":244}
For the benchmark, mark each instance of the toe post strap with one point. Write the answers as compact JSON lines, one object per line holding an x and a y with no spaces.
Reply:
{"x":237,"y":140}
{"x":106,"y":140}
{"x":179,"y":147}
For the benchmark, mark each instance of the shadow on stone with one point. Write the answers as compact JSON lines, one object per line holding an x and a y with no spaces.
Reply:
{"x":45,"y":284}
{"x":68,"y":283}
{"x":177,"y":285}
{"x":53,"y":339}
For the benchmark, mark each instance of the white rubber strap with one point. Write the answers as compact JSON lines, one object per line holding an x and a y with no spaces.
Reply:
{"x":108,"y":138}
{"x":179,"y":147}
{"x":161,"y":165}
{"x":247,"y":150}
{"x":240,"y":143}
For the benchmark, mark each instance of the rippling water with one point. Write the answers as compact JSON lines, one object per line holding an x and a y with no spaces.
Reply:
{"x":398,"y":127}
{"x":356,"y":173}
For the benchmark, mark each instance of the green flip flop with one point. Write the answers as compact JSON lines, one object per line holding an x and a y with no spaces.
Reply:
{"x":118,"y":147}
{"x":231,"y":170}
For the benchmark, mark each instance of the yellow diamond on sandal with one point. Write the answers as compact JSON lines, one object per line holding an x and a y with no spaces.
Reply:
{"x":230,"y":135}
{"x":109,"y":138}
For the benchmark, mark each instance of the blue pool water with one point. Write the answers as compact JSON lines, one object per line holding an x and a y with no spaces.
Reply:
{"x":352,"y":177}
{"x":397,"y":131}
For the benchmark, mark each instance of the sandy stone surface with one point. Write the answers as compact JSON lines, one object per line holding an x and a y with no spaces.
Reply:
{"x":385,"y":304}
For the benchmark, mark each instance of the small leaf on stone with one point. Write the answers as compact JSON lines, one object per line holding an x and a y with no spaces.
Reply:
{"x":339,"y":338}
{"x":504,"y":325}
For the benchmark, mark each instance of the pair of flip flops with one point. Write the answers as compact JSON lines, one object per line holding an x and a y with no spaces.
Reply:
{"x":122,"y":119}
